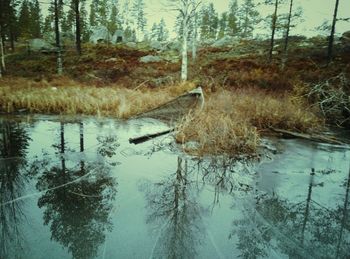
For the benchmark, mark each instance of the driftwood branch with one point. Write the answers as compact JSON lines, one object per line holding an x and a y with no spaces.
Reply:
{"x":311,"y":137}
{"x":144,"y":138}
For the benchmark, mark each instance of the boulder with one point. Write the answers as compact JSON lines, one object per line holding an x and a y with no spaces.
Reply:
{"x":118,"y":37}
{"x":224,"y":41}
{"x":37,"y":45}
{"x":150,"y":58}
{"x":345,"y":38}
{"x":156,"y":45}
{"x":132,"y":45}
{"x":100,"y":34}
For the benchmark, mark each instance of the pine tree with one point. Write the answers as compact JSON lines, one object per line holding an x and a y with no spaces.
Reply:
{"x":93,"y":12}
{"x":84,"y":22}
{"x":154,"y":31}
{"x":138,"y":13}
{"x":24,"y":20}
{"x":114,"y":22}
{"x":232,"y":20}
{"x":47,"y":26}
{"x":248,"y":18}
{"x":209,"y":22}
{"x":35,"y":19}
{"x":223,"y":25}
{"x":162,"y":32}
{"x":102,"y":12}
{"x":68,"y":18}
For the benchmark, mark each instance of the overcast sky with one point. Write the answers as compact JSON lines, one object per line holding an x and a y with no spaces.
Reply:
{"x":315,"y":12}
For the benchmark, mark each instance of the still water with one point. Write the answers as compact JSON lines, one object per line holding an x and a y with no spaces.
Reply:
{"x":75,"y":188}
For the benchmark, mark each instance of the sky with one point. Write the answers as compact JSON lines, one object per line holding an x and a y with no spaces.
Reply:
{"x":315,"y":12}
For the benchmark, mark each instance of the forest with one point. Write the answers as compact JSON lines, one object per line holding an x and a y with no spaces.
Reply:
{"x":103,"y":58}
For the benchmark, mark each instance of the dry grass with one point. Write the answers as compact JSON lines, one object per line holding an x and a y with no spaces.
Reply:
{"x":65,"y":96}
{"x":231,"y":121}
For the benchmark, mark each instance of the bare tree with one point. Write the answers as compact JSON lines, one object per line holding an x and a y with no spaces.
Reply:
{"x":273,"y":27}
{"x":331,"y":37}
{"x":187,"y":10}
{"x":286,"y":38}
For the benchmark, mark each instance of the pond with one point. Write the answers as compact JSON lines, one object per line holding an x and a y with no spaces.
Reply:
{"x":76,"y":188}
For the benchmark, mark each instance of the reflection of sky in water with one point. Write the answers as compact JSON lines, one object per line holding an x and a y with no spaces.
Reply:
{"x":117,"y":200}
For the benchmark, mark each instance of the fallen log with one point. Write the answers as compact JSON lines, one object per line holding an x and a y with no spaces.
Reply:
{"x":311,"y":137}
{"x":144,"y":138}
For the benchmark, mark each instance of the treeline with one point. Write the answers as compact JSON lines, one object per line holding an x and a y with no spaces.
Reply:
{"x":23,"y":19}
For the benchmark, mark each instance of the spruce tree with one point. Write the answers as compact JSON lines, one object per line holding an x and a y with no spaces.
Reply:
{"x":84,"y":22}
{"x":223,"y":25}
{"x":209,"y":22}
{"x":114,"y":22}
{"x":138,"y":13}
{"x":35,"y":19}
{"x":93,"y":14}
{"x":24,"y":20}
{"x":232,"y":19}
{"x":248,"y":18}
{"x":163,"y":33}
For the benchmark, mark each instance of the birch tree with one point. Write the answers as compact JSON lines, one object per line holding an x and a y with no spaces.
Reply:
{"x":187,"y":10}
{"x":57,"y":34}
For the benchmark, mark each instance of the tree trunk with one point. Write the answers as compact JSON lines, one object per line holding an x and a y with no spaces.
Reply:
{"x":58,"y":41}
{"x":194,"y":39}
{"x":184,"y":48}
{"x":331,"y":37}
{"x":77,"y":24}
{"x":286,"y":39}
{"x":2,"y":62}
{"x":273,"y":27}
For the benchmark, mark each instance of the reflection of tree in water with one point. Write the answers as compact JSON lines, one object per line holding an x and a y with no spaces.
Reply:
{"x":173,"y":206}
{"x":224,"y":174}
{"x":77,"y":202}
{"x":14,"y":141}
{"x":299,"y":230}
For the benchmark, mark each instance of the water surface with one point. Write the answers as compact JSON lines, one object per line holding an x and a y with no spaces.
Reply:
{"x":75,"y":188}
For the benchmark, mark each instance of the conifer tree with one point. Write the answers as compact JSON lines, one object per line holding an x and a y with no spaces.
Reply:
{"x":35,"y":19}
{"x":138,"y":13}
{"x":84,"y":22}
{"x":93,"y":13}
{"x":209,"y":22}
{"x":24,"y":20}
{"x":114,"y":22}
{"x":223,"y":25}
{"x":249,"y":17}
{"x":232,"y":19}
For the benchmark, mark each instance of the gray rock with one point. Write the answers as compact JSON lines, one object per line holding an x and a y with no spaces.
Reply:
{"x":132,"y":45}
{"x":37,"y":45}
{"x":156,"y":45}
{"x":150,"y":58}
{"x":118,"y":37}
{"x":345,"y":38}
{"x":100,"y":34}
{"x":224,"y":41}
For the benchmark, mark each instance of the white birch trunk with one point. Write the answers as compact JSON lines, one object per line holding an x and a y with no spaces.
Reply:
{"x":194,"y":39}
{"x":59,"y":63}
{"x":184,"y":48}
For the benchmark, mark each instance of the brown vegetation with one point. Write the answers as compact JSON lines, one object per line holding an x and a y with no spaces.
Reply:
{"x":231,"y":121}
